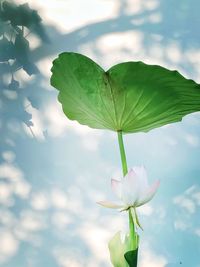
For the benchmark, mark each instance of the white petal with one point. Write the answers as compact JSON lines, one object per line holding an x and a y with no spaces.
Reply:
{"x":130,"y":188}
{"x":116,"y":187}
{"x":148,"y":194}
{"x":130,"y":179}
{"x":141,"y":174}
{"x":110,"y":205}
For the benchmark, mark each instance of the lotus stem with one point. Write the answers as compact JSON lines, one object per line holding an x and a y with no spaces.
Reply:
{"x":125,"y":170}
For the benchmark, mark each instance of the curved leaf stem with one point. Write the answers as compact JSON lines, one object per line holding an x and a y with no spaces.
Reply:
{"x":122,"y":153}
{"x":133,"y":234}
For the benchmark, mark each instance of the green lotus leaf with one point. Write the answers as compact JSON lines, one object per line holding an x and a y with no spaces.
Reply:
{"x":129,"y":97}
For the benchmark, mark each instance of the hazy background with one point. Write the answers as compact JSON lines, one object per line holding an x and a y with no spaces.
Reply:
{"x":53,"y":172}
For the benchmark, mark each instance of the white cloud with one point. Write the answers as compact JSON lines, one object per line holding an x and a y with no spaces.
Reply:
{"x":197,"y":232}
{"x":6,"y":194}
{"x":7,"y":218}
{"x":14,"y":184}
{"x":10,"y":172}
{"x":194,"y":193}
{"x":59,"y":199}
{"x":150,"y":258}
{"x":75,"y":201}
{"x":189,"y":200}
{"x":180,"y":225}
{"x":53,"y":120}
{"x":8,"y":245}
{"x":34,"y":41}
{"x":22,"y":188}
{"x":58,"y":125}
{"x":171,"y":141}
{"x":134,"y":7}
{"x":65,"y":259}
{"x":173,"y":52}
{"x":192,"y":140}
{"x":39,"y":201}
{"x":118,"y":46}
{"x":160,"y":213}
{"x":91,"y":142}
{"x":151,"y":4}
{"x":56,"y":12}
{"x":61,"y":219}
{"x":185,"y":203}
{"x":196,"y":197}
{"x":8,"y":156}
{"x":155,"y":18}
{"x":192,"y":56}
{"x":146,"y":210}
{"x":96,"y":238}
{"x":190,"y":190}
{"x":31,"y":222}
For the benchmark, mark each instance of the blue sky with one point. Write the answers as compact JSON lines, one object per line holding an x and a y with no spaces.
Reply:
{"x":50,"y":181}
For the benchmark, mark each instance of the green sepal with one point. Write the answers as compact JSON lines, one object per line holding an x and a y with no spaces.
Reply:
{"x":131,"y":257}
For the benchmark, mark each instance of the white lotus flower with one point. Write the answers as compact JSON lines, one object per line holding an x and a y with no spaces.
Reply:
{"x":133,"y":190}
